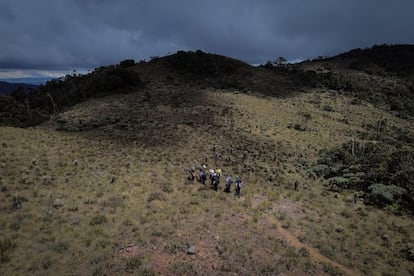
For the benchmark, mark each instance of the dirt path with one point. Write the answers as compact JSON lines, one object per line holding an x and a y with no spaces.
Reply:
{"x":314,"y":254}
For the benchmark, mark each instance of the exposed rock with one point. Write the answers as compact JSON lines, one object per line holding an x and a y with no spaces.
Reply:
{"x":58,"y":202}
{"x":191,"y":250}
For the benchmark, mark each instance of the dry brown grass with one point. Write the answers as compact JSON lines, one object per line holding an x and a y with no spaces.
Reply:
{"x":113,"y":198}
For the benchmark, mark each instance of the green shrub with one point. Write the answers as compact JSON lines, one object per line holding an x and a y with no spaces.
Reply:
{"x":116,"y":202}
{"x":103,"y":243}
{"x":327,"y":108}
{"x":321,"y":170}
{"x":299,"y":127}
{"x":6,"y":245}
{"x":134,"y":263}
{"x":46,"y":263}
{"x":99,"y":219}
{"x":167,"y":188}
{"x":356,"y":101}
{"x":340,"y":181}
{"x":382,"y":195}
{"x":303,"y":252}
{"x":362,"y":165}
{"x":156,"y":195}
{"x":348,"y":175}
{"x":60,"y":246}
{"x":408,"y":251}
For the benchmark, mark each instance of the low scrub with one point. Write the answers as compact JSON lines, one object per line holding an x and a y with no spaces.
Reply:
{"x":383,"y":171}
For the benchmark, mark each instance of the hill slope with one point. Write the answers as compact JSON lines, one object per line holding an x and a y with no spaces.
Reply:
{"x":7,"y":88}
{"x":103,"y":189}
{"x":382,"y":75}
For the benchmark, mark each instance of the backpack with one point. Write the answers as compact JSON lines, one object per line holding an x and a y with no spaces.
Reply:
{"x":239,"y":183}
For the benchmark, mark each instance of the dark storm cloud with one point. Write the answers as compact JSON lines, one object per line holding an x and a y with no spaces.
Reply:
{"x":85,"y":34}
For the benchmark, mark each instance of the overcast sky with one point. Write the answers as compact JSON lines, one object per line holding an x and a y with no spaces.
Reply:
{"x":40,"y":37}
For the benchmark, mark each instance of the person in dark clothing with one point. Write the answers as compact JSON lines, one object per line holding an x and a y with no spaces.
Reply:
{"x":215,"y":180}
{"x":239,"y":184}
{"x":191,"y":172}
{"x":210,"y":173}
{"x":229,"y":181}
{"x":202,"y":176}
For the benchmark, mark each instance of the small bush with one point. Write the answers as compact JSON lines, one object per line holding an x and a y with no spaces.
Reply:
{"x":134,"y":263}
{"x":299,"y":127}
{"x":103,"y":243}
{"x":46,"y":263}
{"x":167,"y":188}
{"x":321,"y":170}
{"x":116,"y":202}
{"x":346,"y":213}
{"x":60,"y":246}
{"x":303,"y":252}
{"x":6,"y":245}
{"x":408,"y":252}
{"x":339,"y":181}
{"x":306,"y":116}
{"x":127,"y":222}
{"x":98,"y":220}
{"x":156,"y":195}
{"x":327,"y":108}
{"x":356,"y":101}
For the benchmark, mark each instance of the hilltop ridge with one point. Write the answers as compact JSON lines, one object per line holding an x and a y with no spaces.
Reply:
{"x":389,"y":85}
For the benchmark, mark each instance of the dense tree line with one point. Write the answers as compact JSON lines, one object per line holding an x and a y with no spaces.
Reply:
{"x":382,"y":169}
{"x":25,"y":109}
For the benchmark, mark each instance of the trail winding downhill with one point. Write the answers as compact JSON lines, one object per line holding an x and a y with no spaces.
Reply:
{"x":314,"y":254}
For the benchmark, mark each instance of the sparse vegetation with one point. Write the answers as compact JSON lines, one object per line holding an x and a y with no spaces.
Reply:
{"x":102,"y":188}
{"x":6,"y":245}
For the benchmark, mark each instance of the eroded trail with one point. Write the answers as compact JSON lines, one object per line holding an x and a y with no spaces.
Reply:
{"x":314,"y":254}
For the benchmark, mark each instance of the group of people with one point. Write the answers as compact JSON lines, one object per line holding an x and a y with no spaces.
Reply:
{"x":214,"y":176}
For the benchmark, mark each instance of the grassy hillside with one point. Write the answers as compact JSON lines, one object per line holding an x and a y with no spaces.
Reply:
{"x":196,"y":68}
{"x":110,"y":195}
{"x":102,"y":188}
{"x":382,"y":75}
